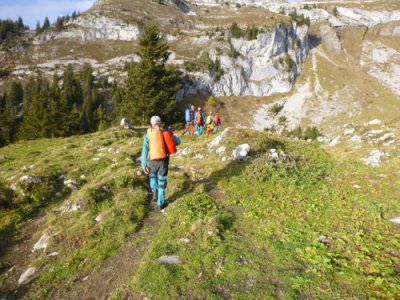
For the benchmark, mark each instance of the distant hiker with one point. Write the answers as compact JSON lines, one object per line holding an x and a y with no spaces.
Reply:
{"x":189,"y":119}
{"x":216,"y":122}
{"x":209,"y":123}
{"x":199,"y":121}
{"x":158,"y":144}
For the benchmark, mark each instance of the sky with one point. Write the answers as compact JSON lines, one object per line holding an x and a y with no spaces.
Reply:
{"x":32,"y":11}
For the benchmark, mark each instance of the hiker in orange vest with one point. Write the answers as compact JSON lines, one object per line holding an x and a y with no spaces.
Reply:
{"x":158,"y":144}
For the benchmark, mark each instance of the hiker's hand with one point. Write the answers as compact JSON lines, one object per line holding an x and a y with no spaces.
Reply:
{"x":146,"y":170}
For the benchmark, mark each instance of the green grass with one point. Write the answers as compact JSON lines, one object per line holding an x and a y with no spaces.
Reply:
{"x":253,"y":226}
{"x":273,"y":216}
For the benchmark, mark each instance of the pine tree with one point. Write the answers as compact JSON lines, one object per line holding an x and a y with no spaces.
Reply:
{"x":101,"y":117}
{"x":36,"y":116}
{"x":9,"y":113}
{"x":72,"y":89}
{"x":116,"y":103}
{"x":38,"y":29}
{"x":89,"y":96}
{"x":46,"y":24}
{"x":151,"y":87}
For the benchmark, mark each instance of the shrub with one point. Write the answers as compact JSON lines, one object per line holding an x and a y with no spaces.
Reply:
{"x":232,"y":51}
{"x":276,"y":108}
{"x":212,"y":101}
{"x":236,"y":31}
{"x":282,"y":120}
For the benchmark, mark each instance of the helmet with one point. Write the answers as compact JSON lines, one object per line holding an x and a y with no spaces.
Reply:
{"x":155,"y":120}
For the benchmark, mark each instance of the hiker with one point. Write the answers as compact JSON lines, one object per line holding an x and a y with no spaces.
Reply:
{"x":199,"y":121}
{"x":209,"y":123}
{"x":216,"y":122}
{"x":158,"y":144}
{"x":189,"y":119}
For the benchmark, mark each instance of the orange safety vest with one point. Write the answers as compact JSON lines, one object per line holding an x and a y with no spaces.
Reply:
{"x":156,"y":144}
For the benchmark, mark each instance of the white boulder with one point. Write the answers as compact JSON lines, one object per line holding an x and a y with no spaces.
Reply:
{"x":42,"y":242}
{"x":27,"y":276}
{"x":241,"y":151}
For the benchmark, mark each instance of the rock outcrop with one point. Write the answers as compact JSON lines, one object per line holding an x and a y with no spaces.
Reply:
{"x":261,"y":68}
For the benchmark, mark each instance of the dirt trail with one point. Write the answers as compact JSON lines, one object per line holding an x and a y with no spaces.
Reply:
{"x":115,"y":271}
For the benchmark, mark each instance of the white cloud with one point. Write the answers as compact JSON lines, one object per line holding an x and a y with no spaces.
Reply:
{"x":37,"y":11}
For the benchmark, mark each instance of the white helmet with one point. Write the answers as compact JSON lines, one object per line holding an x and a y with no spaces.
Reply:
{"x":155,"y":120}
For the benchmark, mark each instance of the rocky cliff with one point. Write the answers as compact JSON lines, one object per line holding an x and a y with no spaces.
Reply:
{"x":262,"y":67}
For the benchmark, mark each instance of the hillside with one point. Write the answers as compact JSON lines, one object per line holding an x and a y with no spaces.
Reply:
{"x":293,"y":219}
{"x":344,"y":66}
{"x":311,"y":211}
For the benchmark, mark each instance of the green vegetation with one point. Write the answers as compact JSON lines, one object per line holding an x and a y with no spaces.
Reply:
{"x":299,"y":19}
{"x":294,"y":228}
{"x":335,"y":11}
{"x":212,"y":101}
{"x":236,"y":31}
{"x":42,"y":109}
{"x":9,"y":31}
{"x":151,"y":87}
{"x":216,"y":70}
{"x":276,"y":108}
{"x":311,"y":133}
{"x":232,"y":51}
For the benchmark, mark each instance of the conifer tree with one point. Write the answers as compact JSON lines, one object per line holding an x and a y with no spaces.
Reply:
{"x":46,"y":24}
{"x":89,"y":95}
{"x":151,"y":87}
{"x":38,"y":29}
{"x":101,"y":117}
{"x":116,"y":103}
{"x":35,"y":121}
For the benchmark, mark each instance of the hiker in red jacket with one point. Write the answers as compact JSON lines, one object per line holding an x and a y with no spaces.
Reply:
{"x":216,"y":121}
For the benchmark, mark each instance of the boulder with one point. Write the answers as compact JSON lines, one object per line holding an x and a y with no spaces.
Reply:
{"x":125,"y":124}
{"x":241,"y":151}
{"x":42,"y":242}
{"x":27,"y":276}
{"x":170,"y":259}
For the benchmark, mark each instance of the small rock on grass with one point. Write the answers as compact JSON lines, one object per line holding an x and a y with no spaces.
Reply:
{"x":41,"y":243}
{"x":170,"y":259}
{"x":395,"y":220}
{"x":27,"y":276}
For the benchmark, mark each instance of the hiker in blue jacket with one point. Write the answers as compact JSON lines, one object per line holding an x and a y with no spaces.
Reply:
{"x":155,"y":149}
{"x":189,"y":119}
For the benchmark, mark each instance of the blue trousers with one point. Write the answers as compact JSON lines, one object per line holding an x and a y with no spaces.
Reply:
{"x":158,"y":178}
{"x":200,"y":129}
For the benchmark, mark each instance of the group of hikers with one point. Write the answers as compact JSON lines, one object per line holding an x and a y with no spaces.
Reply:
{"x":159,"y":144}
{"x":196,"y":121}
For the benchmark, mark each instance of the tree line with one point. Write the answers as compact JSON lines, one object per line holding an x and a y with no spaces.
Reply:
{"x":64,"y":106}
{"x":9,"y":30}
{"x":73,"y":104}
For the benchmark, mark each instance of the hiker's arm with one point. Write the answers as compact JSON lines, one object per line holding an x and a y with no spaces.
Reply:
{"x":177,"y":140}
{"x":145,"y":151}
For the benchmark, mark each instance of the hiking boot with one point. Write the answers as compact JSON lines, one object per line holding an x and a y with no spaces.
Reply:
{"x":154,"y":195}
{"x":164,"y":206}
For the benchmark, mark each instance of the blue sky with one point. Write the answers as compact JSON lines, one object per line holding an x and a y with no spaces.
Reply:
{"x":32,"y":11}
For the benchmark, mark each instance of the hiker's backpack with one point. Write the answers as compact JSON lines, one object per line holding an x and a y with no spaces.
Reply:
{"x":217,"y":120}
{"x":188,"y":114}
{"x":199,"y":118}
{"x":169,"y":140}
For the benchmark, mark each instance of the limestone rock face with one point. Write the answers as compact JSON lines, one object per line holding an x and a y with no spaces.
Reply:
{"x":260,"y":69}
{"x":94,"y":27}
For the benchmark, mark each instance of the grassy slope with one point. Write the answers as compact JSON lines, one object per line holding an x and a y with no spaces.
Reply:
{"x":252,"y":226}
